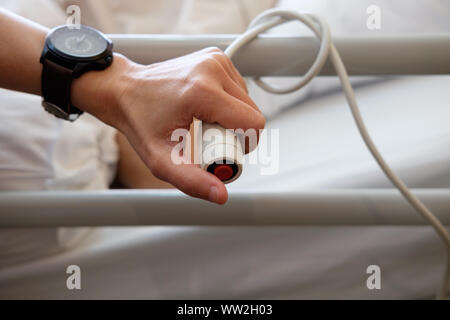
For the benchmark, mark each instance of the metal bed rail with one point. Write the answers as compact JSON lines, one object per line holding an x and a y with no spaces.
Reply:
{"x":334,"y":207}
{"x":277,"y":55}
{"x":272,"y":55}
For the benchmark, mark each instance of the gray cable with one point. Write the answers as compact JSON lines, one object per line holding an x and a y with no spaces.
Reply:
{"x":274,"y":17}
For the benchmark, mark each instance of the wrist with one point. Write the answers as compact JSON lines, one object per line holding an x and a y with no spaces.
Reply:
{"x":99,"y":92}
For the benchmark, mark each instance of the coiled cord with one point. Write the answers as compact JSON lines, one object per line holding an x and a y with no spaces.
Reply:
{"x":320,"y":28}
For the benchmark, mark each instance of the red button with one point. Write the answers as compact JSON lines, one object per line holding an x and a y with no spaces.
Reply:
{"x":223,"y":172}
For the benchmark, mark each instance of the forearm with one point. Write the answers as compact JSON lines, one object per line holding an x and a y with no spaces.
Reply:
{"x":21,"y":43}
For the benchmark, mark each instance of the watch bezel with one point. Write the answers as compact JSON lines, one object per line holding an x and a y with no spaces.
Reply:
{"x":71,"y":58}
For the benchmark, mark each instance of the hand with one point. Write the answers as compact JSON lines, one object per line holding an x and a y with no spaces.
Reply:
{"x":147,"y":103}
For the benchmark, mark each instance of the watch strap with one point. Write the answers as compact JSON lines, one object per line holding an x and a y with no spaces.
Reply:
{"x":56,"y":83}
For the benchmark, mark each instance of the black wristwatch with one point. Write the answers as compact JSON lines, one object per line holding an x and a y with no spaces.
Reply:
{"x":69,"y":52}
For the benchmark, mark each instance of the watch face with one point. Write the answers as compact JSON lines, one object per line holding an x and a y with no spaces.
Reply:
{"x":78,"y":43}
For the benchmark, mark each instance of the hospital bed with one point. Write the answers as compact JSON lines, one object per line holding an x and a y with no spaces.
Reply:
{"x":417,"y":151}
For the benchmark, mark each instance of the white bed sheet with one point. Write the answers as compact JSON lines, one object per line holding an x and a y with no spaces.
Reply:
{"x":408,"y":119}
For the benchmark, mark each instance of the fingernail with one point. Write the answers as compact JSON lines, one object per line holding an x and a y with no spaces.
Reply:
{"x":213,"y":194}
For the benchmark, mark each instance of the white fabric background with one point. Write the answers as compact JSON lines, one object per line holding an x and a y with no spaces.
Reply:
{"x":41,"y":152}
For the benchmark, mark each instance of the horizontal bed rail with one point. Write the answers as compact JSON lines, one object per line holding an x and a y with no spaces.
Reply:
{"x":351,"y":207}
{"x":277,"y":55}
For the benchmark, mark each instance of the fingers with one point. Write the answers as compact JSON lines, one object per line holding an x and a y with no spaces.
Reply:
{"x":236,"y":91}
{"x":232,"y":113}
{"x":188,"y":178}
{"x":229,"y":112}
{"x":226,"y":64}
{"x":230,"y":69}
{"x":233,"y":83}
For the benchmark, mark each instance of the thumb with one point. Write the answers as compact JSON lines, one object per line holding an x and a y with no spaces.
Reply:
{"x":189,"y":178}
